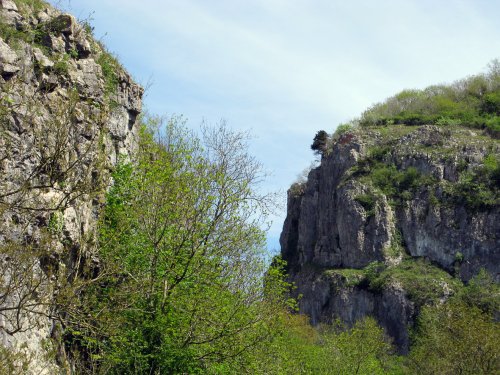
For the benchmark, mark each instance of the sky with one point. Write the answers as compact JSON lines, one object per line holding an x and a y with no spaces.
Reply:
{"x":284,"y":69}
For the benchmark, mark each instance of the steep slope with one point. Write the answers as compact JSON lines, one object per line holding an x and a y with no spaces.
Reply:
{"x":67,"y":111}
{"x":394,"y":217}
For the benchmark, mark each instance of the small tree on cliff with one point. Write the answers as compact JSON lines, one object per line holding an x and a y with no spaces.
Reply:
{"x":320,"y":142}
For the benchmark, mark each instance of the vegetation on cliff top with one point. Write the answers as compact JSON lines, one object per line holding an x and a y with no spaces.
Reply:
{"x":181,"y":284}
{"x":472,"y":102}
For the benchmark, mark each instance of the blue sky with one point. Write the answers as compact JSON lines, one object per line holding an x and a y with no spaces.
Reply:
{"x":286,"y":69}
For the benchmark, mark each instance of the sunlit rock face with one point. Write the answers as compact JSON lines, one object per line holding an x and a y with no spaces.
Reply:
{"x":339,"y":219}
{"x":65,"y":120}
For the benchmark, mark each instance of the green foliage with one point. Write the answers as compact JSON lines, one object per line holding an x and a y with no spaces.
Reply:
{"x":423,"y":282}
{"x":491,"y":103}
{"x":61,"y":64}
{"x":368,"y":201}
{"x":397,"y":183}
{"x":379,"y":153}
{"x":302,"y":349}
{"x":28,"y":7}
{"x":493,"y":126}
{"x":350,"y":277}
{"x":109,"y":66}
{"x":342,"y":129}
{"x":396,"y":248}
{"x":56,"y":223}
{"x":482,"y":292}
{"x":13,"y":36}
{"x":455,"y":338}
{"x":363,"y":349}
{"x":181,"y":287}
{"x":478,"y":189}
{"x":473,"y":102}
{"x":459,"y":257}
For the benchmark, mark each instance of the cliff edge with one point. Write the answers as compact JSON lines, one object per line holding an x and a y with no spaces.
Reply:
{"x":68,"y":110}
{"x":395,"y":217}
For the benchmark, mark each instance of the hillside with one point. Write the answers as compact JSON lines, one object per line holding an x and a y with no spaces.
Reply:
{"x":403,"y":209}
{"x":132,"y":244}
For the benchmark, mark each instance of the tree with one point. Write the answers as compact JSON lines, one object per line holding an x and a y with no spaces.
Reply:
{"x":320,"y":142}
{"x":180,"y":287}
{"x":455,"y":338}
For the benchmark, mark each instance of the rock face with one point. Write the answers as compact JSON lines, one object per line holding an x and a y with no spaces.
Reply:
{"x":388,"y":197}
{"x":67,"y":113}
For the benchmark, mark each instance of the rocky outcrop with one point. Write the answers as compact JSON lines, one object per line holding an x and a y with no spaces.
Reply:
{"x":381,"y":197}
{"x":67,"y":113}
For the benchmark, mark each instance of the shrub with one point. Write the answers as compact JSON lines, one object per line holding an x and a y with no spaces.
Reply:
{"x":320,"y":142}
{"x":379,"y":153}
{"x":467,"y":102}
{"x":423,"y":282}
{"x":61,"y":66}
{"x":368,"y":202}
{"x":341,"y":130}
{"x":478,"y":188}
{"x":109,"y":65}
{"x":455,"y":338}
{"x":491,"y":103}
{"x":493,"y":126}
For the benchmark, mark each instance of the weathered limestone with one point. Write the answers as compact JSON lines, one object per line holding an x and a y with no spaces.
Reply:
{"x":327,"y":228}
{"x":59,"y":137}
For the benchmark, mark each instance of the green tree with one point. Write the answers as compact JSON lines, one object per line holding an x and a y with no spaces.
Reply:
{"x":362,"y":349}
{"x":455,"y":338}
{"x":180,"y":287}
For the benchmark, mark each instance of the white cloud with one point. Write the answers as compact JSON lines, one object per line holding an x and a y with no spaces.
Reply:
{"x":287,"y":68}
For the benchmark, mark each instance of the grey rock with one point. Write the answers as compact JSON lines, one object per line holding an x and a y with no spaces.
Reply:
{"x":326,"y":227}
{"x":8,"y":5}
{"x":9,"y":13}
{"x":64,"y":24}
{"x":40,"y":97}
{"x":327,"y":297}
{"x":8,"y":59}
{"x":42,"y":60}
{"x":87,"y":77}
{"x":7,"y":55}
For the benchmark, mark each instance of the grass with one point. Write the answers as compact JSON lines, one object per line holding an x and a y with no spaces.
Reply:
{"x":27,"y":7}
{"x":109,"y":65}
{"x":423,"y":282}
{"x":350,"y":277}
{"x":368,"y":201}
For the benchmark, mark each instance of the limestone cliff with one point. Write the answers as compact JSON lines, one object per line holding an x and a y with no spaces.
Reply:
{"x":67,"y":111}
{"x":394,"y":217}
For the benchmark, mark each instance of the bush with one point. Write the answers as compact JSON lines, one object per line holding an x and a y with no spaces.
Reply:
{"x":479,"y":189}
{"x":341,"y":130}
{"x":493,"y":126}
{"x":320,"y":142}
{"x":454,"y":338}
{"x":491,"y":103}
{"x":468,"y":102}
{"x":109,"y":65}
{"x":368,"y":202}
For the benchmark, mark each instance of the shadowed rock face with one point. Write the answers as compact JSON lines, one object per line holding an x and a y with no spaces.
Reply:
{"x":326,"y":298}
{"x":327,"y":226}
